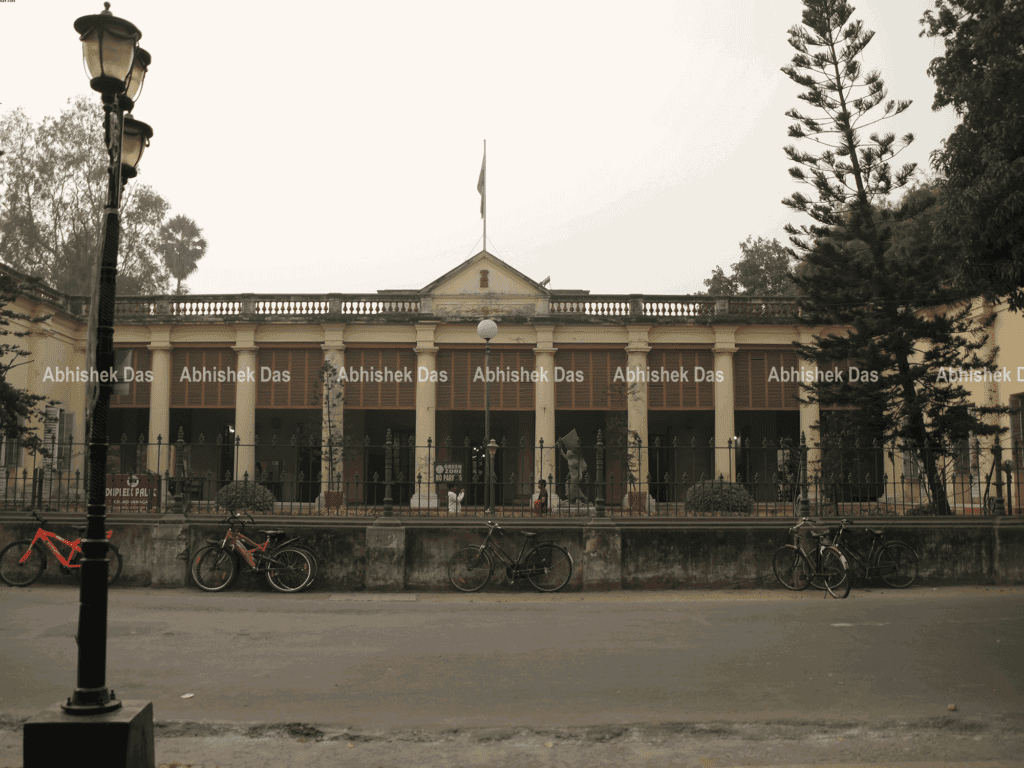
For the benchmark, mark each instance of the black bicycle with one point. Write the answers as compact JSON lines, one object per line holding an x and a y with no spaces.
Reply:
{"x":824,"y":566}
{"x":872,"y":556}
{"x":547,"y":566}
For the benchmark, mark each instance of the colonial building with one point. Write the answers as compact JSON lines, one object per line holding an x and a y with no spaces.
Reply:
{"x":256,"y":384}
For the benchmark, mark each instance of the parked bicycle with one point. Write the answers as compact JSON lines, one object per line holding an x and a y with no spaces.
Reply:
{"x":547,"y":566}
{"x":288,"y":566}
{"x":872,"y":556}
{"x":824,"y":566}
{"x":22,"y":562}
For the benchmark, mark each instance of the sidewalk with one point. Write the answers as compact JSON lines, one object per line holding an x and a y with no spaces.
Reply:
{"x":949,"y":742}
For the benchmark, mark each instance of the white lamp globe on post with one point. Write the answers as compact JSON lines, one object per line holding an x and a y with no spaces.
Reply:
{"x":487,"y":329}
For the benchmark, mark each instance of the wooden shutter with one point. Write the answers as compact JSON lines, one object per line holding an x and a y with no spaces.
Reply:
{"x":138,"y":391}
{"x":759,"y":376}
{"x":217,"y":391}
{"x":590,"y":379}
{"x":382,"y":378}
{"x":690,"y":394}
{"x":301,"y":367}
{"x":463,"y":385}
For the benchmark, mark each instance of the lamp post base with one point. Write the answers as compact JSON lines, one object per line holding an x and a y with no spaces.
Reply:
{"x":122,"y":738}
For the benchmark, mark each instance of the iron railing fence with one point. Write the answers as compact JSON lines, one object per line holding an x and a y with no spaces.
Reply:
{"x":616,"y":479}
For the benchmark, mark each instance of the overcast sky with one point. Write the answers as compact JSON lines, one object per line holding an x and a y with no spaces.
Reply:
{"x":335,"y":146}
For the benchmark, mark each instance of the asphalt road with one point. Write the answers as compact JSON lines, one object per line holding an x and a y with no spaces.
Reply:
{"x":739,"y":671}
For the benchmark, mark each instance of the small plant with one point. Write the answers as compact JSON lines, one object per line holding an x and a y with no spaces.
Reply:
{"x":715,"y":496}
{"x":246,"y":496}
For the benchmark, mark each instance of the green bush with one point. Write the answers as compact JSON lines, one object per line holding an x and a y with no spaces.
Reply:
{"x":722,"y":497}
{"x":242,"y":496}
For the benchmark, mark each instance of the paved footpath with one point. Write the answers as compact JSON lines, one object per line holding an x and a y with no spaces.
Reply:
{"x":967,"y":641}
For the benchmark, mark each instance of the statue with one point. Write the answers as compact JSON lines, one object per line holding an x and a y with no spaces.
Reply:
{"x":569,"y":447}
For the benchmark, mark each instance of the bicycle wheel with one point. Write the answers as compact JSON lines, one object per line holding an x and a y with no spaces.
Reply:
{"x":834,"y":572}
{"x":791,"y":568}
{"x":17,"y":573}
{"x":897,"y":564}
{"x":313,"y":561}
{"x":291,"y":569}
{"x":548,"y":567}
{"x":114,"y":564}
{"x":470,"y":569}
{"x":214,"y":569}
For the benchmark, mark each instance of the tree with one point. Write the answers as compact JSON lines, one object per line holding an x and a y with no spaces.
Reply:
{"x":764,"y":269}
{"x":53,"y":182}
{"x":980,"y":76}
{"x":18,"y":408}
{"x":876,"y":267}
{"x":181,"y":246}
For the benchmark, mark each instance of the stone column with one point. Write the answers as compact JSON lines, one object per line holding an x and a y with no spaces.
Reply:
{"x":332,"y":422}
{"x":245,"y":401}
{"x":160,"y":402}
{"x":425,"y":496}
{"x":725,"y":406}
{"x":544,"y":410}
{"x":636,"y":408}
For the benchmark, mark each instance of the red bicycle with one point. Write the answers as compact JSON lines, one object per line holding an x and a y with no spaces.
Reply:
{"x":22,"y":562}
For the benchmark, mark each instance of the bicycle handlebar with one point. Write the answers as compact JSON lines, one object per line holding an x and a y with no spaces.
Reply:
{"x":234,"y":518}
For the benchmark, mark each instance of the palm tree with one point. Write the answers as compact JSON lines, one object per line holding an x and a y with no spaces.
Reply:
{"x":181,"y":245}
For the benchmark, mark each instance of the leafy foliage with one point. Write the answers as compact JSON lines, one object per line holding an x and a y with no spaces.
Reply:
{"x":980,"y":76}
{"x":53,"y":186}
{"x":18,"y":408}
{"x":181,"y":245}
{"x":764,"y":269}
{"x":245,"y":495}
{"x":711,"y":496}
{"x":876,"y":267}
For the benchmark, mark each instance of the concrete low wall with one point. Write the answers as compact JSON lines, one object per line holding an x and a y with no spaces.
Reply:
{"x":395,"y":554}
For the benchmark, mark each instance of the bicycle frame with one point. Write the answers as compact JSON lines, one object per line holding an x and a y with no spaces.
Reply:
{"x":46,"y":538}
{"x":505,"y":558}
{"x":855,"y":553}
{"x":236,"y":540}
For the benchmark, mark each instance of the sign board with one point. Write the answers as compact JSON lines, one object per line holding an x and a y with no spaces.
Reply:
{"x":447,"y":473}
{"x":133,"y":493}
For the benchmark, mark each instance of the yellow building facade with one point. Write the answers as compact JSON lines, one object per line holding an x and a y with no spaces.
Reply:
{"x":256,"y":385}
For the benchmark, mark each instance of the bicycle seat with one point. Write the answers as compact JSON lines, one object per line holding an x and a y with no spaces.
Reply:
{"x":877,"y":532}
{"x":527,"y":534}
{"x":273,"y":533}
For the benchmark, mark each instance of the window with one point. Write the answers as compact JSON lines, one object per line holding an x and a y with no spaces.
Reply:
{"x":58,"y":431}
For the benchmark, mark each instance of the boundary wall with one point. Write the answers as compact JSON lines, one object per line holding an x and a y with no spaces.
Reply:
{"x":395,"y":554}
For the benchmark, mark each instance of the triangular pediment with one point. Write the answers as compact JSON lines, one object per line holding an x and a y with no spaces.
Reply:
{"x":484,"y":285}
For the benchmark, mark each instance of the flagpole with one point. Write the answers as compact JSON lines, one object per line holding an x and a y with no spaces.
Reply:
{"x":482,"y":189}
{"x":485,"y":194}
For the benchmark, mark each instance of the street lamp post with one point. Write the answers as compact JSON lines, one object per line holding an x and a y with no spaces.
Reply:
{"x":117,"y":68}
{"x":117,"y":733}
{"x":487,"y":330}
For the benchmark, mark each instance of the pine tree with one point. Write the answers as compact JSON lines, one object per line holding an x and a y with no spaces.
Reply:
{"x":875,"y":267}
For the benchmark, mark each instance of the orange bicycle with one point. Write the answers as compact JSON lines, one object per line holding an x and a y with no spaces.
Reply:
{"x":22,"y":562}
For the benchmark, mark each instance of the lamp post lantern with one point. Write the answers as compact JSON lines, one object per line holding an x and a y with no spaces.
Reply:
{"x":487,"y":329}
{"x":116,"y":67}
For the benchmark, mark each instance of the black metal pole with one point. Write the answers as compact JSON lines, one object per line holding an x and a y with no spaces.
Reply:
{"x":92,"y":695}
{"x":389,"y":504}
{"x":487,"y":422}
